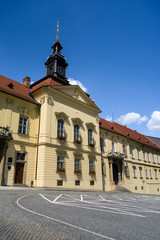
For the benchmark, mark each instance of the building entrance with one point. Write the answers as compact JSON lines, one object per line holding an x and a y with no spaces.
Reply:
{"x":115,"y":173}
{"x":19,"y":173}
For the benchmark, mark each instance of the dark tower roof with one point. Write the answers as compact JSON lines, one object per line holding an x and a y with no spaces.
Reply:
{"x":56,"y":63}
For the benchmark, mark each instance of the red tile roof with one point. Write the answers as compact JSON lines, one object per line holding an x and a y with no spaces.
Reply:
{"x":14,"y":88}
{"x":48,"y":81}
{"x":127,"y":132}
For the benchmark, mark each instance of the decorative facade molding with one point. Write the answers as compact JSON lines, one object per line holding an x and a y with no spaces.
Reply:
{"x":76,"y":94}
{"x":116,"y":155}
{"x":42,"y":100}
{"x":50,"y":101}
{"x":77,"y":121}
{"x":5,"y":132}
{"x":24,"y":111}
{"x":62,"y":115}
{"x":90,"y":125}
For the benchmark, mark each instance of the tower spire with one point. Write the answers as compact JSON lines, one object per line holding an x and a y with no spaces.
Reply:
{"x":56,"y":64}
{"x":57,"y":37}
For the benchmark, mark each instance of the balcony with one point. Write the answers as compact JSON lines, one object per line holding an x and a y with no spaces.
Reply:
{"x":116,"y":155}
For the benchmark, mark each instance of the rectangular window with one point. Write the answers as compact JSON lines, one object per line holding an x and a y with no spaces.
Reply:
{"x":102,"y":144}
{"x":91,"y":182}
{"x":91,"y":166}
{"x":148,"y":157}
{"x":153,"y":158}
{"x":138,"y":154}
{"x":126,"y":171}
{"x":140,"y":172}
{"x":146,"y":173}
{"x":134,"y":172}
{"x":155,"y":173}
{"x":77,"y":165}
{"x":77,"y":182}
{"x":150,"y":173}
{"x":91,"y":141}
{"x":157,"y":159}
{"x":23,"y":125}
{"x":132,"y":152}
{"x":113,"y":147}
{"x":124,"y":150}
{"x":60,"y":164}
{"x":144,"y":156}
{"x":59,"y":182}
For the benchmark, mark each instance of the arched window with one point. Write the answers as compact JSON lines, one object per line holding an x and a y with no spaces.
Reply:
{"x":77,"y":137}
{"x":60,"y":129}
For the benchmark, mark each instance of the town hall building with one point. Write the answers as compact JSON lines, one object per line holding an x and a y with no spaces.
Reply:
{"x":51,"y":135}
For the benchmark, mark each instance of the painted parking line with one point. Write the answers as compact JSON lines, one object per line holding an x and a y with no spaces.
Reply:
{"x":59,"y":221}
{"x":117,"y":197}
{"x":93,"y":205}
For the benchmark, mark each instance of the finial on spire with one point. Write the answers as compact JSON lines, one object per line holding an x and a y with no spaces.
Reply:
{"x":57,"y":37}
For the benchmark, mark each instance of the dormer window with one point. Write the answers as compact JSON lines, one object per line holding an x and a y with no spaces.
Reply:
{"x":10,"y":86}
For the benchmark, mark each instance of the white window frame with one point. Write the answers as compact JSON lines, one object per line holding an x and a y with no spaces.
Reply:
{"x":155,"y":173}
{"x":132,"y":152}
{"x":60,"y":162}
{"x":77,"y":163}
{"x":153,"y":158}
{"x":134,"y":172}
{"x":113,"y":147}
{"x":91,"y":165}
{"x":140,"y":172}
{"x":23,"y":125}
{"x":144,"y":156}
{"x":150,"y":173}
{"x":146,"y":171}
{"x":138,"y":154}
{"x":148,"y":157}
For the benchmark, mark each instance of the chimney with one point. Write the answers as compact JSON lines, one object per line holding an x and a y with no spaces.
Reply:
{"x":26,"y":82}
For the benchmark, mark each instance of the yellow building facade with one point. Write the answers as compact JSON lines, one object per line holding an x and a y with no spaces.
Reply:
{"x":51,"y":136}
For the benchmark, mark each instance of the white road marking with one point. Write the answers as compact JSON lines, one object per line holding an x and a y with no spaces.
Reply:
{"x":116,"y":211}
{"x":45,"y":198}
{"x":117,"y":197}
{"x":57,"y":198}
{"x":59,"y":221}
{"x":81,"y":197}
{"x":49,"y":199}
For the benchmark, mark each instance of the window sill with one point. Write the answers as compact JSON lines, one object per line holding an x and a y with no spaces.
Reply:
{"x":23,"y":134}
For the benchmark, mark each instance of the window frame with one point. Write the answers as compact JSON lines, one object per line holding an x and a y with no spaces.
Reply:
{"x":23,"y":127}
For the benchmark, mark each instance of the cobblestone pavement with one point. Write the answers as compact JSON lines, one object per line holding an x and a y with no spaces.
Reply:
{"x":48,"y":214}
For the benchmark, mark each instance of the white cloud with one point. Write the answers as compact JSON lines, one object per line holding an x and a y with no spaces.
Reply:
{"x":108,"y":118}
{"x":131,"y":117}
{"x":154,"y":122}
{"x":76,"y":82}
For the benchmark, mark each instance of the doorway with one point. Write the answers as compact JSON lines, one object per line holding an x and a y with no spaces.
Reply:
{"x":115,"y":173}
{"x":19,"y":173}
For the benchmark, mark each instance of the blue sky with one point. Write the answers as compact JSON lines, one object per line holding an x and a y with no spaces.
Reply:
{"x":112,"y":47}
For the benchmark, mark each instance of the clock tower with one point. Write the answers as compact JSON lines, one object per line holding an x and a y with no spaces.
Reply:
{"x":56,"y":63}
